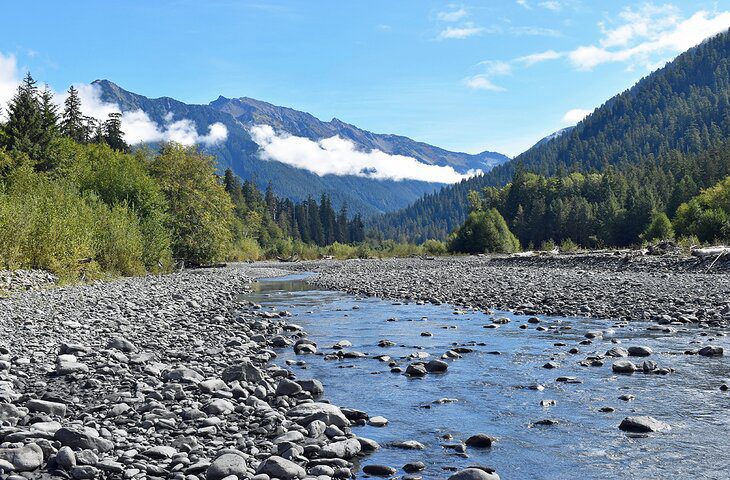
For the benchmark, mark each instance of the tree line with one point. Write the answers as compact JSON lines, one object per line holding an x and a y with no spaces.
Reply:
{"x":674,"y":195}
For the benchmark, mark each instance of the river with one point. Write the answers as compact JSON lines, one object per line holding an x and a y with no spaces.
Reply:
{"x":494,"y":388}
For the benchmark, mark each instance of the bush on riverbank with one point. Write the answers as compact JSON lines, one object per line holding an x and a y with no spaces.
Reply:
{"x":51,"y":225}
{"x":484,"y":231}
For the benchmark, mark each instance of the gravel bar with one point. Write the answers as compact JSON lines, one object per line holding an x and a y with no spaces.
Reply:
{"x":669,"y":290}
{"x":163,"y":377}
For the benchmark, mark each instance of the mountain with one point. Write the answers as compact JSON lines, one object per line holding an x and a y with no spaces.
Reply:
{"x":252,"y":112}
{"x":683,"y":107}
{"x":240,"y":153}
{"x":553,"y":136}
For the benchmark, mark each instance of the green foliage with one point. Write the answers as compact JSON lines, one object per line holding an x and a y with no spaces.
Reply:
{"x":706,"y":216}
{"x":200,"y":212}
{"x":118,"y":242}
{"x":484,"y":231}
{"x":24,"y":128}
{"x":568,"y":246}
{"x":548,"y":245}
{"x":72,"y":120}
{"x":245,"y":250}
{"x":660,"y":228}
{"x":434,"y":247}
{"x":49,"y":224}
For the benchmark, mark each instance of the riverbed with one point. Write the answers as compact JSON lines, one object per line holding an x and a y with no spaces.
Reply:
{"x":497,"y":388}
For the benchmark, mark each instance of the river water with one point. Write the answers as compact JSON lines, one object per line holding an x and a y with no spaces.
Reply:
{"x":491,"y":387}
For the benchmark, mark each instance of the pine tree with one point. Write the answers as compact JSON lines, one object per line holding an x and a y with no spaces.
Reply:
{"x":113,"y":134}
{"x":24,"y":128}
{"x":72,"y":120}
{"x":49,"y":124}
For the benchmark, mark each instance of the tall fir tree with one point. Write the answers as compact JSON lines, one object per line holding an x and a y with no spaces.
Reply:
{"x":24,"y":128}
{"x":113,"y":134}
{"x":72,"y":120}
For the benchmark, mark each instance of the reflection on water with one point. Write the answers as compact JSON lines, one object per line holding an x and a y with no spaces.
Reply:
{"x":491,"y":388}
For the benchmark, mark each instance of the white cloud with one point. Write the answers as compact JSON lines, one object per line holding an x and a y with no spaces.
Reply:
{"x":339,"y":156}
{"x":648,"y":36}
{"x":139,"y":128}
{"x":452,"y":16}
{"x":535,"y":32}
{"x":551,"y":5}
{"x":575,"y":115}
{"x":523,"y":3}
{"x":483,"y":81}
{"x":534,"y":58}
{"x":8,"y":81}
{"x":460,"y":32}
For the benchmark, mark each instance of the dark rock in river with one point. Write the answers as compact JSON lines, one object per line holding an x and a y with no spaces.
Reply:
{"x":643,"y":424}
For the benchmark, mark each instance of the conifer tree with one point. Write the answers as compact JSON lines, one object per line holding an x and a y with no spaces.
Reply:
{"x":24,"y":128}
{"x":113,"y":134}
{"x":72,"y":120}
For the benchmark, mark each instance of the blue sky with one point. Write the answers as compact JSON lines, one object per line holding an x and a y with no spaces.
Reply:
{"x":468,"y":76}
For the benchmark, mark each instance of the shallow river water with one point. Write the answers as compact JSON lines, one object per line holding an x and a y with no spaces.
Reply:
{"x":492,"y":390}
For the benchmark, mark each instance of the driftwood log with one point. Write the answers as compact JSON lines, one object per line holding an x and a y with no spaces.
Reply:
{"x":710,"y":252}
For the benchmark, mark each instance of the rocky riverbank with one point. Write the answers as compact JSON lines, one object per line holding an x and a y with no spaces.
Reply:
{"x":12,"y":281}
{"x":670,"y":290}
{"x":163,"y":377}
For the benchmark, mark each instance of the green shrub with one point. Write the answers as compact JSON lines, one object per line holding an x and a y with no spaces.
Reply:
{"x":118,"y":241}
{"x":660,"y":228}
{"x":341,"y":251}
{"x":484,"y":231}
{"x":246,"y":249}
{"x":48,"y":224}
{"x":707,"y":215}
{"x":568,"y":245}
{"x":548,"y":245}
{"x":434,"y":247}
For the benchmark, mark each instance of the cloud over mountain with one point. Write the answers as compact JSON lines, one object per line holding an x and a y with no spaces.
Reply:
{"x":140,"y":128}
{"x":338,"y":156}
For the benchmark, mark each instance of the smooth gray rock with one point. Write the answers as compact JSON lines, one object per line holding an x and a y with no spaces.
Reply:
{"x":244,"y":371}
{"x":306,"y":413}
{"x":228,"y":464}
{"x":43,"y":406}
{"x":83,"y":437}
{"x":23,"y":459}
{"x":277,"y":467}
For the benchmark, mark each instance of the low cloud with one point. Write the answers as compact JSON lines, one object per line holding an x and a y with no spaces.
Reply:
{"x":465,"y":31}
{"x":339,"y":156}
{"x":575,"y":115}
{"x":139,"y":128}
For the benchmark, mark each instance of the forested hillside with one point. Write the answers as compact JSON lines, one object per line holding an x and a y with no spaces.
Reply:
{"x":682,"y":108}
{"x":615,"y":207}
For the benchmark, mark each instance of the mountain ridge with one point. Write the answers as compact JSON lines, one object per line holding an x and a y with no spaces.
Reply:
{"x":240,"y":153}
